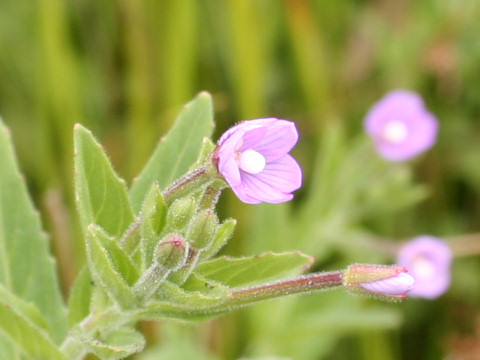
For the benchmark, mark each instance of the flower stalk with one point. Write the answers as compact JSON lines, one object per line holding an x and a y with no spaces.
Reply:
{"x":302,"y":284}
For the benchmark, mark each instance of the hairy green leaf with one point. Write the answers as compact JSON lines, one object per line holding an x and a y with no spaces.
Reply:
{"x":25,"y":327}
{"x":153,"y":217}
{"x":236,"y":272}
{"x":224,"y":232}
{"x":102,"y":267}
{"x":120,"y":260}
{"x":100,"y":194}
{"x":117,"y":344}
{"x":26,"y":266}
{"x":178,"y":150}
{"x":196,"y":300}
{"x":80,"y":297}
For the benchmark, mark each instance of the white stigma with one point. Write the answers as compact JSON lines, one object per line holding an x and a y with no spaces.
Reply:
{"x":423,"y":268}
{"x":395,"y":131}
{"x":252,"y":162}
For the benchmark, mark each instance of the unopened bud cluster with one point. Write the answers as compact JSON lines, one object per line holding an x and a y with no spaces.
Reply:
{"x":193,"y":223}
{"x":190,"y":233}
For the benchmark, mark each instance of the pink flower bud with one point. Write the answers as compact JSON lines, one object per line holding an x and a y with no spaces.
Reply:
{"x":389,"y":281}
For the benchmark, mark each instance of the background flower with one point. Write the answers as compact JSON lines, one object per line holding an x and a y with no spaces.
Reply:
{"x":428,"y":260}
{"x":400,"y":126}
{"x":253,"y":158}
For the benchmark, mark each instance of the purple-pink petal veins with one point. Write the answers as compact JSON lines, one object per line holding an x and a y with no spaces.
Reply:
{"x":253,"y":158}
{"x":400,"y":126}
{"x":397,"y":286}
{"x":428,"y":259}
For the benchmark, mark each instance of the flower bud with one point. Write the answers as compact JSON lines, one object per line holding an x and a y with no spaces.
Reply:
{"x":389,"y":281}
{"x":201,"y":231}
{"x":171,"y":252}
{"x":180,"y":212}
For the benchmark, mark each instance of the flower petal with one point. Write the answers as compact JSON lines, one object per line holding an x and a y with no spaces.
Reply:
{"x":230,"y":171}
{"x":273,"y":141}
{"x":284,"y":174}
{"x":257,"y":189}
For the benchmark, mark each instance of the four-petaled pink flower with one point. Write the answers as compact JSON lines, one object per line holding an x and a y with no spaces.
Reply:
{"x":400,"y":126}
{"x":253,"y":158}
{"x":429,"y":260}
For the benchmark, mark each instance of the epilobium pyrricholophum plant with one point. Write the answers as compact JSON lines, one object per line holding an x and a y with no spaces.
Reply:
{"x":151,"y":249}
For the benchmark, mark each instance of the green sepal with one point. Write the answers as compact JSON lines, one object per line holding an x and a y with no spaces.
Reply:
{"x":117,"y":344}
{"x":26,"y":328}
{"x":101,"y":195}
{"x":80,"y":297}
{"x":153,"y":219}
{"x":103,"y":269}
{"x":178,"y":150}
{"x":224,"y":232}
{"x":236,"y":272}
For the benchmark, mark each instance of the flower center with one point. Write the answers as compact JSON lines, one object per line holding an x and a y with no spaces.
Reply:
{"x":395,"y":131}
{"x":252,"y":162}
{"x":423,"y":268}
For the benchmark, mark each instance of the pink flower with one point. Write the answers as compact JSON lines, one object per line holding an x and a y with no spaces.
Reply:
{"x":253,"y":158}
{"x":389,"y":281}
{"x":400,"y":126}
{"x":429,"y":260}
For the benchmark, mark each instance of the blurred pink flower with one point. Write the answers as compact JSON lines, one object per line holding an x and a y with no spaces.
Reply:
{"x":253,"y":158}
{"x":428,"y":259}
{"x":400,"y":126}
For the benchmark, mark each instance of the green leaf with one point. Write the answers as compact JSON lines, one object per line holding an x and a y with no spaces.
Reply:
{"x":197,"y":292}
{"x":196,"y":300}
{"x":120,"y":260}
{"x":27,"y":309}
{"x":103,"y":269}
{"x":101,"y":195}
{"x":236,"y":272}
{"x":118,"y":344}
{"x":22,"y":323}
{"x":26,"y":266}
{"x":80,"y":297}
{"x":178,"y":150}
{"x":153,"y":217}
{"x":224,"y":232}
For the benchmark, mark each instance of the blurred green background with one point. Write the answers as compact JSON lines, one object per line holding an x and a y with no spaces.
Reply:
{"x":124,"y":69}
